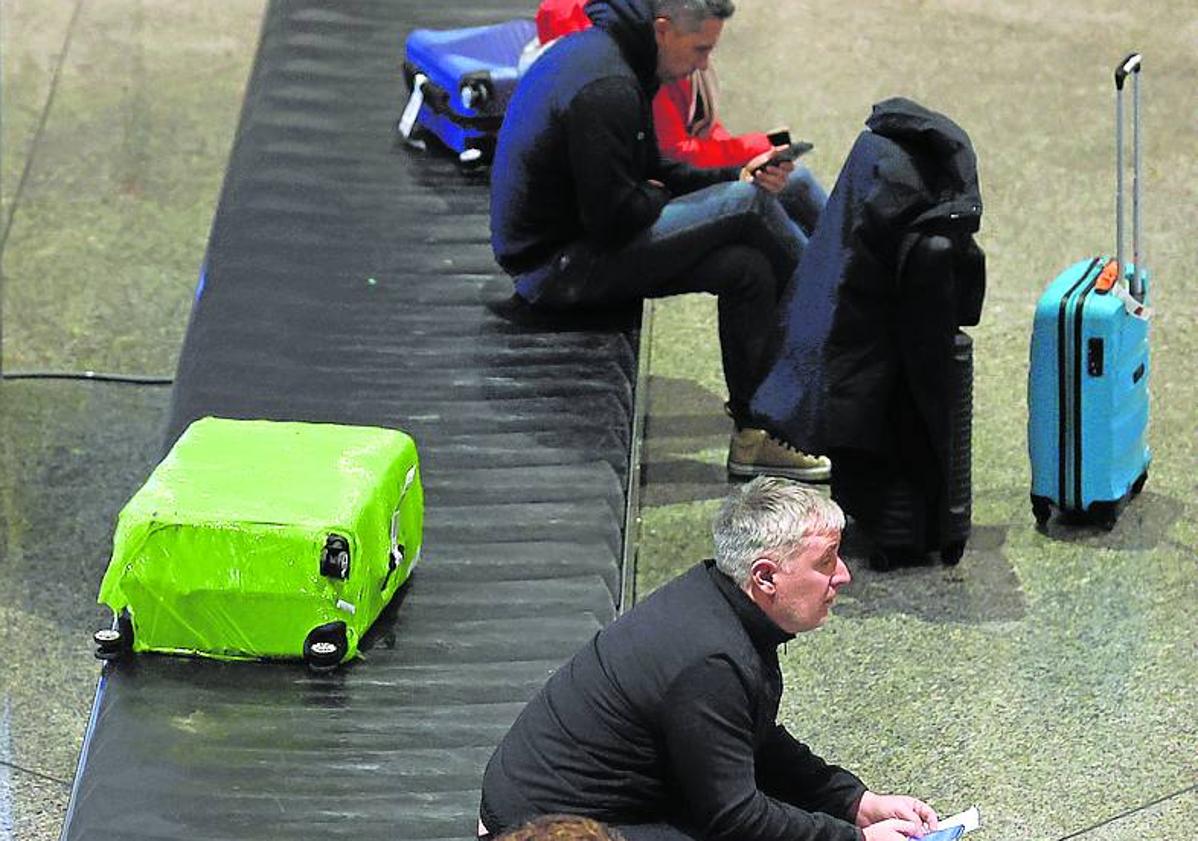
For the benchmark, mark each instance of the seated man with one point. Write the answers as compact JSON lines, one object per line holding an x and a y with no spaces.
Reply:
{"x":585,"y":212}
{"x":664,"y":725}
{"x":686,"y":118}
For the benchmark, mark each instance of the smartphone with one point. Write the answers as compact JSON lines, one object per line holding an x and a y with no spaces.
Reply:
{"x":790,"y":153}
{"x":778,"y":137}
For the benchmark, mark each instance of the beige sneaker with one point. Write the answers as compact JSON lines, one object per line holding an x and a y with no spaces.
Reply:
{"x":754,"y":452}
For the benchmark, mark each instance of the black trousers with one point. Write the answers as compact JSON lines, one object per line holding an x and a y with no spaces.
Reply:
{"x":731,"y":240}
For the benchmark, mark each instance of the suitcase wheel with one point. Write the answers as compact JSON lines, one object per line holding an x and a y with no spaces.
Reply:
{"x":334,"y":558}
{"x":1105,"y":514}
{"x":884,"y":560}
{"x":471,"y":159}
{"x":114,"y":643}
{"x":951,"y":554}
{"x":892,"y":557}
{"x":1041,"y":510}
{"x":1138,"y":485}
{"x":325,"y":647}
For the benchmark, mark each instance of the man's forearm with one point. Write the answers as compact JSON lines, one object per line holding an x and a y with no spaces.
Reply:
{"x":682,"y":178}
{"x":788,"y":770}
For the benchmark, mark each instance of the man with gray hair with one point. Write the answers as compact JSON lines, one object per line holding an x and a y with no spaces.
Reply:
{"x":664,"y":724}
{"x":586,"y":213}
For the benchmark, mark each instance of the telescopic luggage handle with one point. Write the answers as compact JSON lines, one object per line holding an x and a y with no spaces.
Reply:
{"x":1129,"y":66}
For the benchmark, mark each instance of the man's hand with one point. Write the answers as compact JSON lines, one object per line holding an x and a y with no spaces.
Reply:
{"x":892,"y":830}
{"x":772,"y":177}
{"x":882,"y":808}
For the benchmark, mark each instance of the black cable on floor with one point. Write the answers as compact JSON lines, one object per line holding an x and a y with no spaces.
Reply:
{"x":89,"y":376}
{"x":1130,"y":812}
{"x":39,"y":775}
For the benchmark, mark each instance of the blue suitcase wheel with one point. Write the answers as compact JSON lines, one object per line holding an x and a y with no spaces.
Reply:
{"x":325,"y":647}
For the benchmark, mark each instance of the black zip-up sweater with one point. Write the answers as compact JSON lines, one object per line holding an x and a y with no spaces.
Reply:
{"x":577,"y":148}
{"x":669,"y":714}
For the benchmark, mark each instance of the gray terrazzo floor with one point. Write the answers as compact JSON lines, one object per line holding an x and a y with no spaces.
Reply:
{"x":1049,"y":678}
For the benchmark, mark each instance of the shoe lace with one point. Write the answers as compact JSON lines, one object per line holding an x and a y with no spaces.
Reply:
{"x":786,"y":445}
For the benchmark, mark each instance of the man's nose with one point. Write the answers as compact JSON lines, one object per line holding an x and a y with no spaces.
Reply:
{"x":842,"y":576}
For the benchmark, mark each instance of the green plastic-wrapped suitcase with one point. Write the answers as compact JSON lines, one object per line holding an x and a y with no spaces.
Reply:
{"x":264,"y":539}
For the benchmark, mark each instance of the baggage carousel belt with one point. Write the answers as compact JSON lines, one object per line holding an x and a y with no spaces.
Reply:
{"x":350,"y":280}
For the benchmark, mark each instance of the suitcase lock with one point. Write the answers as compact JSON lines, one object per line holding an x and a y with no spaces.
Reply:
{"x":1094,"y":357}
{"x":334,"y":559}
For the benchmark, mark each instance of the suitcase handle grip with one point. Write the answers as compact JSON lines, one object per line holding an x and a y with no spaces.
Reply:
{"x":1129,"y":65}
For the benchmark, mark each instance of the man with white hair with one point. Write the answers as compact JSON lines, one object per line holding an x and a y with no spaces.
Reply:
{"x":664,"y":724}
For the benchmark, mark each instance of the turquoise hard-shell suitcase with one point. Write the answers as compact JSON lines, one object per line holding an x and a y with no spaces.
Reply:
{"x":1089,"y":373}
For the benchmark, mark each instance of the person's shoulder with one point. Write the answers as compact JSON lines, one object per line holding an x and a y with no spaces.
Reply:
{"x":693,"y":603}
{"x":695,"y":576}
{"x":585,"y":57}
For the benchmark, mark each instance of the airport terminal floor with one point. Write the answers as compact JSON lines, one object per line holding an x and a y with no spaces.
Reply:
{"x":1048,"y":678}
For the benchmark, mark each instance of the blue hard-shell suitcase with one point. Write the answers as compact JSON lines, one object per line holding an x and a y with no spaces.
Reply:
{"x":460,"y":82}
{"x":1088,"y":380}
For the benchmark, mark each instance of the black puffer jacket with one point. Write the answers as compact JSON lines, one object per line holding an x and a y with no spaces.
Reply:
{"x":669,"y":714}
{"x":857,"y":325}
{"x":578,"y":148}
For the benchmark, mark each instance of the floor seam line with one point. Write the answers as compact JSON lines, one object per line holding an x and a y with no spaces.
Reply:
{"x":47,"y":777}
{"x":1133,"y":811}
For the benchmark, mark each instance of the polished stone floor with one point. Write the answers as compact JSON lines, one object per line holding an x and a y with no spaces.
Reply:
{"x":1049,"y":678}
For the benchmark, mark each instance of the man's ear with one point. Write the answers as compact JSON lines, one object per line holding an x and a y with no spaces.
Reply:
{"x":761,"y":574}
{"x":660,"y":27}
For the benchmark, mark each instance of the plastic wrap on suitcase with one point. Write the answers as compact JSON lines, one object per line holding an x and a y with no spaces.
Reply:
{"x":260,"y":539}
{"x":467,"y":77}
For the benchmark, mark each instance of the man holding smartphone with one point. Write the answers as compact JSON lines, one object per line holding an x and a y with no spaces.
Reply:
{"x":686,"y":119}
{"x":585,"y":212}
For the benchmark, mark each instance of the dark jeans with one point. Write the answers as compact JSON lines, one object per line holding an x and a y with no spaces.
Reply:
{"x":732,"y":240}
{"x":803,"y":199}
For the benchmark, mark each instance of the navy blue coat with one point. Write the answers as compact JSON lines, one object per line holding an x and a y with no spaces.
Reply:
{"x":577,"y":148}
{"x":855,"y":325}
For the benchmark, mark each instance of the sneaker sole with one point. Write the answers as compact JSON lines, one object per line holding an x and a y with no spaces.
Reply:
{"x":815,"y":475}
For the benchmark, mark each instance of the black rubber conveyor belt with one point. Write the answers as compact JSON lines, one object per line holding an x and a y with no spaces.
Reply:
{"x":347,"y":280}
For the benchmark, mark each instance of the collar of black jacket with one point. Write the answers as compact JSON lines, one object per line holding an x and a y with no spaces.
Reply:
{"x":630,"y":23}
{"x":764,"y":633}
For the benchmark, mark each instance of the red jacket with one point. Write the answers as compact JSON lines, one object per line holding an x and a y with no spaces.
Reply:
{"x":671,"y":107}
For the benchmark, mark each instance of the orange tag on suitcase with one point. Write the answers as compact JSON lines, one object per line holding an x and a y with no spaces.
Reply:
{"x":1108,"y":276}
